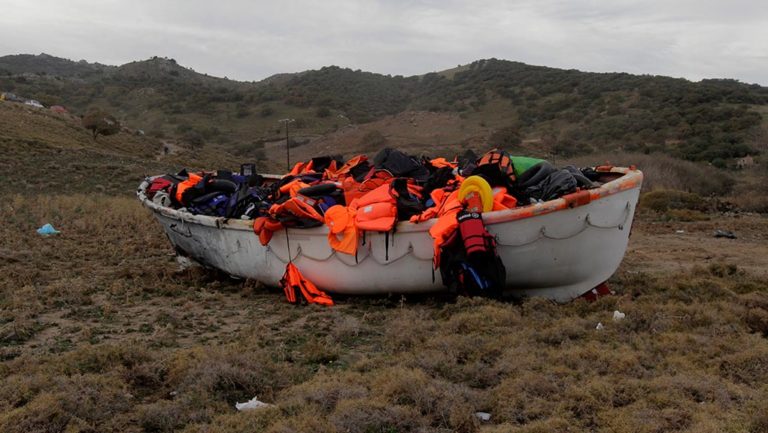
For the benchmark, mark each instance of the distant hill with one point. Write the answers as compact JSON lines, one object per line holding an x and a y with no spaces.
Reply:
{"x":521,"y":107}
{"x":45,"y":64}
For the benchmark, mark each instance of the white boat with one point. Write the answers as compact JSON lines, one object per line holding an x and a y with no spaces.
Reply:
{"x":559,"y":249}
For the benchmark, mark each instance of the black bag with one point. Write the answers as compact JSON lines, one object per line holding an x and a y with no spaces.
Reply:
{"x":400,"y":164}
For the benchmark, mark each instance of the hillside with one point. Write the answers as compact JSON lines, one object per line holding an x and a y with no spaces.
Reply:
{"x":44,"y":152}
{"x":531,"y":108}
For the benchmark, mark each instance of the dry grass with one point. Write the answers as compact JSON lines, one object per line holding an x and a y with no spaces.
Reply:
{"x":100,"y":333}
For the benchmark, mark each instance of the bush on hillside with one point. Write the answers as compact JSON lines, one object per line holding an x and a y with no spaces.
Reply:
{"x":99,"y":122}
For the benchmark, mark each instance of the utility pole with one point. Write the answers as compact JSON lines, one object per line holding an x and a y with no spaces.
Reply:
{"x":287,"y":144}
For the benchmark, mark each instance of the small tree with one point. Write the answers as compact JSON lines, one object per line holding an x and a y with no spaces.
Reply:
{"x":99,"y":122}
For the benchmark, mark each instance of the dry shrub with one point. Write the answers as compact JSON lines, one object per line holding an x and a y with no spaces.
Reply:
{"x":17,"y":390}
{"x":304,"y":421}
{"x":71,"y":403}
{"x":446,"y":405}
{"x":371,"y":416}
{"x":526,"y":397}
{"x":408,"y":329}
{"x":325,"y":390}
{"x":759,"y":418}
{"x":751,"y":200}
{"x":757,"y":320}
{"x":101,"y":358}
{"x":686,"y":215}
{"x":548,"y":425}
{"x":663,"y":200}
{"x":242,"y":422}
{"x":665,"y":172}
{"x":482,"y":315}
{"x":316,"y":351}
{"x":43,"y":414}
{"x":228,"y":374}
{"x":168,"y":416}
{"x":749,"y":367}
{"x":19,"y":328}
{"x":641,"y":418}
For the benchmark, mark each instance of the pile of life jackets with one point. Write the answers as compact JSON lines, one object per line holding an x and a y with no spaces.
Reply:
{"x":361,"y":195}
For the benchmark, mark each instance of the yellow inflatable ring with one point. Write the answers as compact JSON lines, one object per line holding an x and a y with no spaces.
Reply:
{"x":479,"y":185}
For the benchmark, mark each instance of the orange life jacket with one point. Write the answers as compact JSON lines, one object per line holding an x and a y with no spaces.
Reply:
{"x":502,"y":200}
{"x":349,"y":165}
{"x":295,"y":207}
{"x":293,"y":283}
{"x":292,"y":188}
{"x":377,"y":209}
{"x":342,"y":231}
{"x":376,"y":217}
{"x":265,"y":227}
{"x":353,"y":190}
{"x":442,"y":162}
{"x":446,"y":223}
{"x":185,"y":185}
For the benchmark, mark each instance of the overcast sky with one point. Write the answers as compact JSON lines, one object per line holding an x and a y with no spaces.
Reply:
{"x":251,"y":40}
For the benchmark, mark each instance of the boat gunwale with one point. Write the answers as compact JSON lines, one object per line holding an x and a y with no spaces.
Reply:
{"x":631,"y":178}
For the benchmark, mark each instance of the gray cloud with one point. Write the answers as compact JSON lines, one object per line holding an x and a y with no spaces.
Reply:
{"x":250,"y":40}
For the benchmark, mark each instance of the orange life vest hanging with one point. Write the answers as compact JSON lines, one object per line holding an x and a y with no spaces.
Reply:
{"x":265,"y":227}
{"x":294,"y":283}
{"x":342,"y":231}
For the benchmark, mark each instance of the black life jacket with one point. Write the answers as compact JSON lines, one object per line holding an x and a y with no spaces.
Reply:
{"x":407,"y":204}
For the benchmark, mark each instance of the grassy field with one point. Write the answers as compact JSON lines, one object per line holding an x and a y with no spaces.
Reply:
{"x":101,"y":332}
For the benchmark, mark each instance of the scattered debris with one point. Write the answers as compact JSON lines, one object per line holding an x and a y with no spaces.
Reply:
{"x":483,"y":416}
{"x":724,"y":234}
{"x":618,"y":315}
{"x":599,"y":326}
{"x":599,"y":291}
{"x":679,"y":231}
{"x":47,"y":230}
{"x":185,"y":262}
{"x":251,"y":404}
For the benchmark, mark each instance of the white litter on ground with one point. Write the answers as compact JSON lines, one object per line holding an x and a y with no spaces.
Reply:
{"x":618,"y":315}
{"x":483,"y":416}
{"x":599,"y":326}
{"x":251,"y":404}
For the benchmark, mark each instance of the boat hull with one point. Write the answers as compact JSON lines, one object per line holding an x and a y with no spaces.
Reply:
{"x":558,"y":249}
